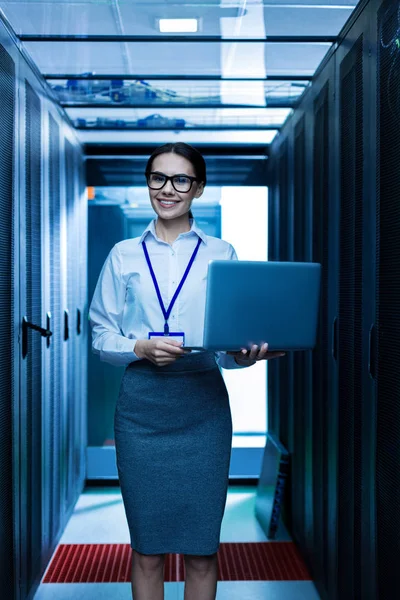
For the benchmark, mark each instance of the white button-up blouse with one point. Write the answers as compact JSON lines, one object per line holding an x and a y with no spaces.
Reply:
{"x":125,"y":306}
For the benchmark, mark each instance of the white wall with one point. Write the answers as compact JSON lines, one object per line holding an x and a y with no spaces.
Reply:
{"x":245,"y":225}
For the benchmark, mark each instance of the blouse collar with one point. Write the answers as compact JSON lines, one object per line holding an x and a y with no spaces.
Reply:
{"x":151,"y":228}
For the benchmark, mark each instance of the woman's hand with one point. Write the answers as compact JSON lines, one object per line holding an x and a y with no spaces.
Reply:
{"x":160,"y":351}
{"x":246,"y":358}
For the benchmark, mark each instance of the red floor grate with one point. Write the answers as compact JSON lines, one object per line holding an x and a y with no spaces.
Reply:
{"x":238,"y":561}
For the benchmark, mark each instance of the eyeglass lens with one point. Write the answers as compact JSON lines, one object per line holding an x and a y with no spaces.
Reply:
{"x":180,"y":182}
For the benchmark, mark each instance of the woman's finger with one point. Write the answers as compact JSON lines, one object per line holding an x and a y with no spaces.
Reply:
{"x":253,"y":352}
{"x":263,"y":351}
{"x":170,"y":349}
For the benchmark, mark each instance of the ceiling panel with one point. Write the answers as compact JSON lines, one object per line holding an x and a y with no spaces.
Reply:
{"x":177,"y":93}
{"x":141,"y":18}
{"x":237,"y":19}
{"x":180,"y":57}
{"x":215,"y":3}
{"x":184,"y":118}
{"x":60,"y":17}
{"x":296,"y":59}
{"x":80,"y":57}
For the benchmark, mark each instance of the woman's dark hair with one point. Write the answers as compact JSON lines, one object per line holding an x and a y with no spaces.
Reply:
{"x":188,"y":152}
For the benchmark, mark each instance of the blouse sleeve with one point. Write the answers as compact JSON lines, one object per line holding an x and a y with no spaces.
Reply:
{"x":105,"y":315}
{"x":224,"y":360}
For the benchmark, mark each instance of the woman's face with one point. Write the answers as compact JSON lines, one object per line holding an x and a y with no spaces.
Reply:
{"x":171,"y":164}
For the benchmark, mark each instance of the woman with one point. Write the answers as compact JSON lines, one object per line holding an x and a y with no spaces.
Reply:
{"x":173,"y":428}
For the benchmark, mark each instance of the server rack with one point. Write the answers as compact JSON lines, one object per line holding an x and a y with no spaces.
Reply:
{"x":345,"y":407}
{"x":38,"y":487}
{"x":8,"y":353}
{"x":384,"y":353}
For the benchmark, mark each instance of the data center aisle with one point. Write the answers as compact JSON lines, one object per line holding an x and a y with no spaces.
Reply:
{"x":99,"y":518}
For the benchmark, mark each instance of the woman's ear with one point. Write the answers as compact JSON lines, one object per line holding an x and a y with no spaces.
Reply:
{"x":200,"y":190}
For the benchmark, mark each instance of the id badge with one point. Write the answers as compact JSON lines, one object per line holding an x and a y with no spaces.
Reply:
{"x":178,"y":335}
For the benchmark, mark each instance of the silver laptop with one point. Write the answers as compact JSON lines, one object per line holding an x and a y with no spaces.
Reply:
{"x":252,"y":302}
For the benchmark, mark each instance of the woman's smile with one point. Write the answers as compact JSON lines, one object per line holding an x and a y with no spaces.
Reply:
{"x":167,"y":203}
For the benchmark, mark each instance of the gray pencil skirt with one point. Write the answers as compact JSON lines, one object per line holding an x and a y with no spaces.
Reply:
{"x":173,"y":440}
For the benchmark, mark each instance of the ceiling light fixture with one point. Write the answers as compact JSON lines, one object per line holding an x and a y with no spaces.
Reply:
{"x":178,"y":25}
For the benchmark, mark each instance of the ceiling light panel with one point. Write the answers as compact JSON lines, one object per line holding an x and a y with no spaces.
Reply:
{"x":163,"y":137}
{"x":178,"y":25}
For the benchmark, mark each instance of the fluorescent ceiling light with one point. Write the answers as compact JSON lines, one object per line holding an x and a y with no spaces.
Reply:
{"x":178,"y":25}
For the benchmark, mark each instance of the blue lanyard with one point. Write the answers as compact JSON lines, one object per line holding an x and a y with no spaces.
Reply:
{"x":168,"y":312}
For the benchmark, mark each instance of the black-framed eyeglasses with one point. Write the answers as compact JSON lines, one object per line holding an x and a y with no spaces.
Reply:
{"x":181,"y":183}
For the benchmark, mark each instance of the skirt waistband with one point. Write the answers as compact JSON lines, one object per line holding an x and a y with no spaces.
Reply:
{"x":189,"y":362}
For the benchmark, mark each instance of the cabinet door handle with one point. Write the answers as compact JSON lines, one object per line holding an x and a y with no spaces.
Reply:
{"x":66,"y":326}
{"x":25,"y":325}
{"x":334,"y":338}
{"x":371,"y":352}
{"x":78,"y":322}
{"x":48,"y":325}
